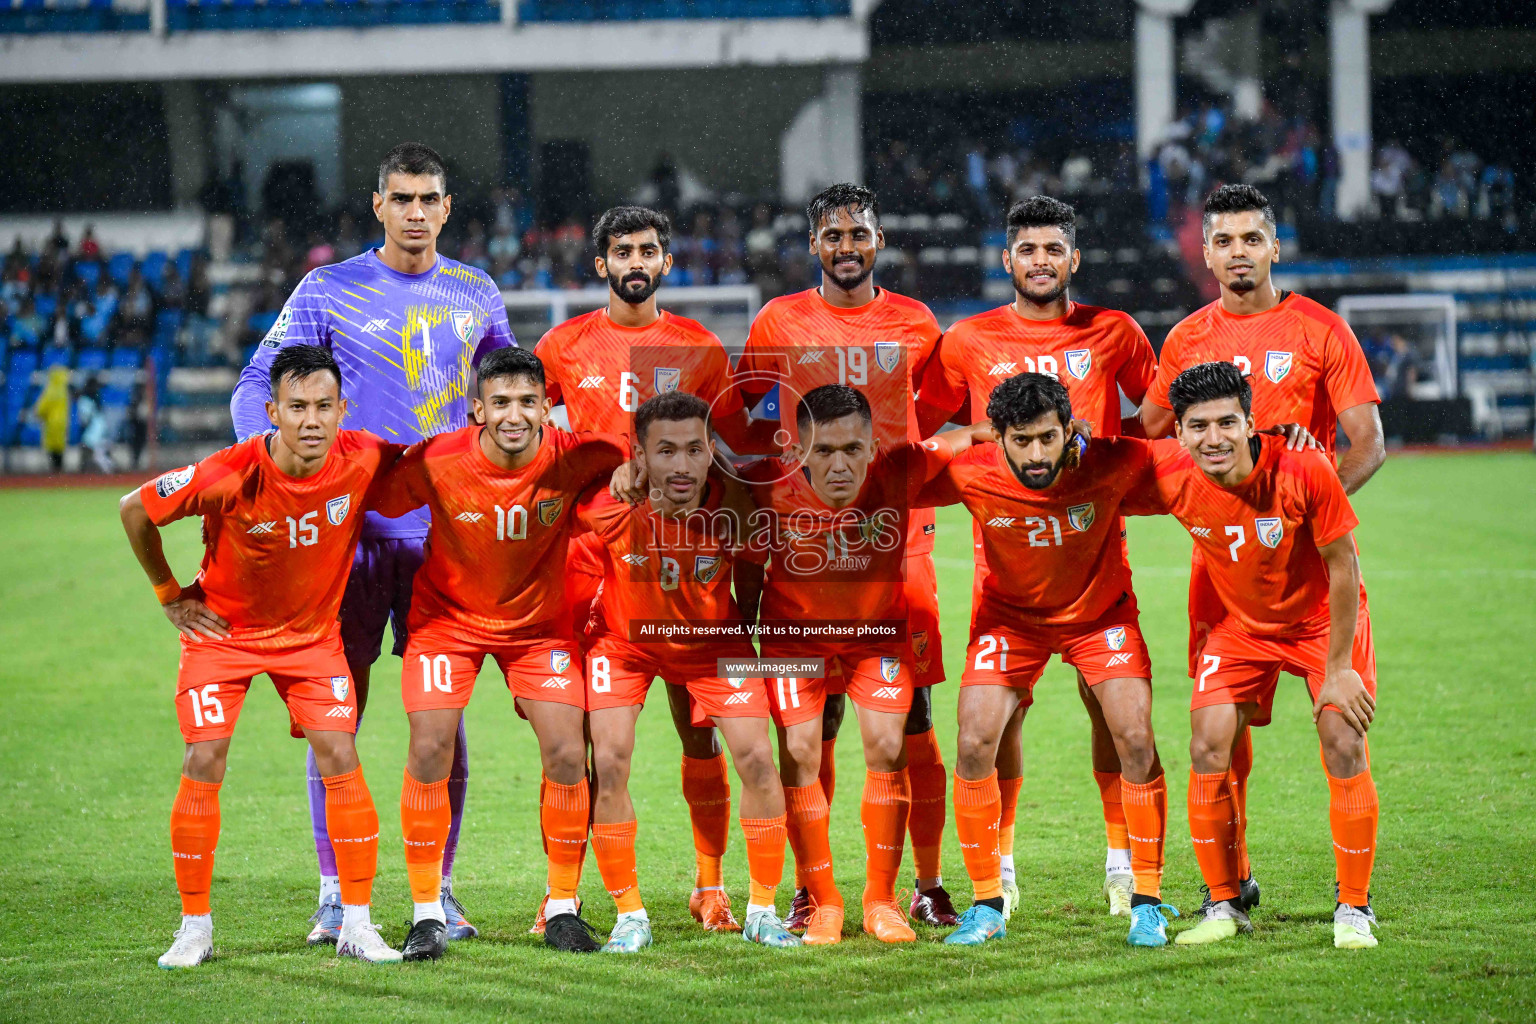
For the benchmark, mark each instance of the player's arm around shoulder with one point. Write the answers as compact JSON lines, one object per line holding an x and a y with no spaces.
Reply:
{"x":403,"y":483}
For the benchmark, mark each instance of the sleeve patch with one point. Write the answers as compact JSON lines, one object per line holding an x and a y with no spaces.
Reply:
{"x":279,"y":331}
{"x":175,"y":480}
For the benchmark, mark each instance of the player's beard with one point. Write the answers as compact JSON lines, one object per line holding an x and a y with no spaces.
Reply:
{"x":1018,"y":471}
{"x":1054,"y":295}
{"x":1245,"y":284}
{"x":621,"y":286}
{"x":849,"y":284}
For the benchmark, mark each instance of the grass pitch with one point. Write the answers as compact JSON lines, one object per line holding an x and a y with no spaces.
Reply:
{"x":89,"y":754}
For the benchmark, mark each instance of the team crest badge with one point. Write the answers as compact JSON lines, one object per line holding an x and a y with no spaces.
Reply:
{"x":705,"y":567}
{"x":1270,"y":531}
{"x":887,"y":355}
{"x":919,"y":642}
{"x":889,"y":669}
{"x":463,"y":321}
{"x":559,"y":661}
{"x":1079,"y":362}
{"x":549,"y":510}
{"x":870,"y":528}
{"x":336,"y":509}
{"x":1115,"y":637}
{"x":1276,"y":366}
{"x":667,"y":379}
{"x":736,"y":681}
{"x":1080,"y":517}
{"x":175,"y":480}
{"x":279,"y":330}
{"x":339,"y":687}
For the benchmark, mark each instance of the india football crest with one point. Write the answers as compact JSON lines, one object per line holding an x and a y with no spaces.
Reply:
{"x":1277,"y":365}
{"x":559,"y":661}
{"x":1270,"y":531}
{"x":705,"y":567}
{"x":1115,"y":638}
{"x":1080,"y":517}
{"x":667,"y":379}
{"x":336,"y":509}
{"x":549,"y":510}
{"x":889,"y":669}
{"x":887,"y":355}
{"x":339,"y":687}
{"x":463,"y":321}
{"x":1079,"y":362}
{"x":919,"y":642}
{"x":175,"y":480}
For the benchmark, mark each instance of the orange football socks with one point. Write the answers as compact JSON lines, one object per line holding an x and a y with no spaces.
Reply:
{"x":928,"y":781}
{"x":1146,"y":822}
{"x":613,"y":844}
{"x":765,"y":857}
{"x":1213,"y":830}
{"x":978,"y":807}
{"x":354,"y":826}
{"x":707,"y":788}
{"x":424,"y":819}
{"x":1353,"y":811}
{"x":884,"y":810}
{"x":807,"y":814}
{"x":1008,"y":789}
{"x":563,"y":818}
{"x":1114,"y":812}
{"x":194,"y":836}
{"x":1242,"y":765}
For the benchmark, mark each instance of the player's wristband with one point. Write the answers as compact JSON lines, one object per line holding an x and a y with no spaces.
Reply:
{"x":168,"y":591}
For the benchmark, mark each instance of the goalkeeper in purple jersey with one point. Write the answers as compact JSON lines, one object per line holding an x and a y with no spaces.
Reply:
{"x":407,"y":327}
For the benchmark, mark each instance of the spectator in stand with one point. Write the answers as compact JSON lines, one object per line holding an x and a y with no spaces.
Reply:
{"x":474,"y":250}
{"x":348,"y":242}
{"x":90,"y":249}
{"x":52,"y":413}
{"x":136,"y":308}
{"x":319,"y":252}
{"x":27,"y":325}
{"x":58,"y":242}
{"x":95,"y":437}
{"x":173,"y":288}
{"x":138,"y":424}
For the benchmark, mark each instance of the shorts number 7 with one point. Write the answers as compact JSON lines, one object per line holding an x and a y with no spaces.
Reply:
{"x":1211,"y":662}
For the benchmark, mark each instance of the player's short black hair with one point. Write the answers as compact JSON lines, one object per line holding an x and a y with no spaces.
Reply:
{"x":831,"y":402}
{"x":509,"y":361}
{"x":842,"y":196}
{"x":626,"y":220}
{"x":1209,"y":382}
{"x":1042,"y":212}
{"x":670,"y":407}
{"x":299,"y":362}
{"x":414,"y":159}
{"x":1025,"y":398}
{"x":1236,"y":199}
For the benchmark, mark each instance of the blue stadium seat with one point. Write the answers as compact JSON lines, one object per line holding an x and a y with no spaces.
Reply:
{"x":91,"y":360}
{"x":45,"y":304}
{"x":184,"y":262}
{"x":167,"y":321}
{"x":127,"y":358}
{"x":120,"y":266}
{"x":55,"y":357}
{"x":89,"y":272}
{"x":153,"y":267}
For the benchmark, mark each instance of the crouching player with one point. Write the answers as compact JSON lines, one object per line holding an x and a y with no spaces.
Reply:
{"x":669,"y":560}
{"x":1057,"y":583}
{"x":502,"y":499}
{"x":1275,"y":531}
{"x":282,"y":513}
{"x":839,"y":510}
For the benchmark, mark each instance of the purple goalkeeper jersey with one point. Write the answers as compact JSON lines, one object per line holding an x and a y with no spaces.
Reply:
{"x":406,"y":345}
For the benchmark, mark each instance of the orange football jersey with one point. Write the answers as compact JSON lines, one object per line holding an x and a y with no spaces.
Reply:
{"x":604,"y":371}
{"x":802,"y":341}
{"x":493,"y":568}
{"x":664,"y":568}
{"x":838,"y":564}
{"x":1260,"y":539}
{"x":1053,"y":557}
{"x":1096,"y":353}
{"x":278,"y":548}
{"x":1304,"y":362}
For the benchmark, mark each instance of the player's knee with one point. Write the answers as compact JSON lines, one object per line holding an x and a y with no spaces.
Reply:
{"x":1344,"y":753}
{"x":204,"y":762}
{"x":432,"y":754}
{"x":612,"y":765}
{"x":1208,"y":755}
{"x":802,"y":756}
{"x":754,"y":765}
{"x":884,"y":753}
{"x":565,"y":758}
{"x":1136,"y":748}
